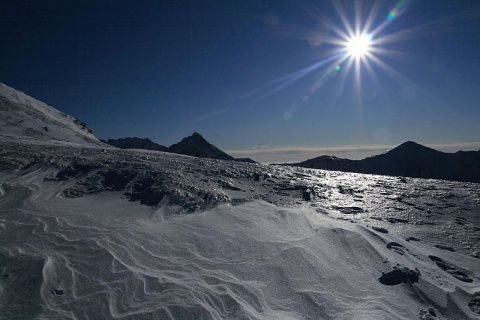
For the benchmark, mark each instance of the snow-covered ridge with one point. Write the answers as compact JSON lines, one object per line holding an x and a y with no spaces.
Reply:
{"x":89,"y":228}
{"x":22,"y":116}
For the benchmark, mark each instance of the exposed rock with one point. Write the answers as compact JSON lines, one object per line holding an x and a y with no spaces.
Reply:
{"x":307,"y":196}
{"x":196,"y":146}
{"x":444,"y":247}
{"x":379,"y":229}
{"x":474,"y":304}
{"x":412,"y":239}
{"x":135,"y":143}
{"x":398,"y":276}
{"x":393,"y":244}
{"x":454,"y":270}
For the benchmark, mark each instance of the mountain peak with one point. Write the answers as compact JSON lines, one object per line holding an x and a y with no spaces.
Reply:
{"x":197,"y":146}
{"x":197,"y":137}
{"x":411,"y":144}
{"x":412,"y":147}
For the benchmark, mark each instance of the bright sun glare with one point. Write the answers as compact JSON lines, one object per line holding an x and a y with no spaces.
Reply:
{"x":359,"y":46}
{"x":356,"y":45}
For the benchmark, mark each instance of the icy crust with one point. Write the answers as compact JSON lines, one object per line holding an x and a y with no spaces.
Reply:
{"x":228,"y":240}
{"x":442,"y":213}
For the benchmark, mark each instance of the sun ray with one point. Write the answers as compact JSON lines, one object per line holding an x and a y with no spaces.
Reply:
{"x":368,"y":66}
{"x":389,"y":70}
{"x":371,"y":17}
{"x":343,"y":16}
{"x":285,"y":81}
{"x":353,"y":46}
{"x":320,"y":80}
{"x":358,"y":18}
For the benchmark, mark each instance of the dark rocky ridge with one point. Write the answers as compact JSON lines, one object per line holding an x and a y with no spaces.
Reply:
{"x":409,"y":159}
{"x":196,"y":146}
{"x":135,"y":143}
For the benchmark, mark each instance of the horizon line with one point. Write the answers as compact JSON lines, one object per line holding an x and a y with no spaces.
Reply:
{"x":292,"y":154}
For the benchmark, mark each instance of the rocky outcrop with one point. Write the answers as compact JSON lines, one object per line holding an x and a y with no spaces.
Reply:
{"x":135,"y":143}
{"x":196,"y":146}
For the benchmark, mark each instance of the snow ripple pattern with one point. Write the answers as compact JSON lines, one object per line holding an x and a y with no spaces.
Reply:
{"x":316,"y":251}
{"x":254,"y":261}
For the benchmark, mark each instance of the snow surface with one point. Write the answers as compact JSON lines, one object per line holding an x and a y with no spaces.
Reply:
{"x":93,"y":232}
{"x":228,"y":240}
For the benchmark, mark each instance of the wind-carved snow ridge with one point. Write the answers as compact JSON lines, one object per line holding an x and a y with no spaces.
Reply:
{"x":90,"y":233}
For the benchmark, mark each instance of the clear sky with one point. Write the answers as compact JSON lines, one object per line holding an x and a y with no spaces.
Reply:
{"x":274,"y":80}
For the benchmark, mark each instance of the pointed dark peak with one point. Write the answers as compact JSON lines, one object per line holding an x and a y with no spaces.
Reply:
{"x":197,"y":137}
{"x":196,"y":146}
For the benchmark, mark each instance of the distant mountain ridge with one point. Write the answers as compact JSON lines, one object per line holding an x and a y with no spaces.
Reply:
{"x":194,"y":145}
{"x":25,"y":118}
{"x":409,"y":159}
{"x":135,"y":143}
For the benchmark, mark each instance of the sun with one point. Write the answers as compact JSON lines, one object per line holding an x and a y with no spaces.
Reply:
{"x":351,"y":44}
{"x":359,"y":46}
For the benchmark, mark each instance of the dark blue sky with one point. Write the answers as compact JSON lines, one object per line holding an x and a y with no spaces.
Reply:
{"x":228,"y":69}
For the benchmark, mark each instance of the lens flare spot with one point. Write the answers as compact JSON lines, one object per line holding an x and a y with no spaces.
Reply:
{"x":392,"y":14}
{"x":396,"y":10}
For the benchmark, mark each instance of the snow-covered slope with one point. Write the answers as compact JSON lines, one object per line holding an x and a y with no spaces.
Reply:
{"x":149,"y":235}
{"x":23,"y":117}
{"x":105,"y":233}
